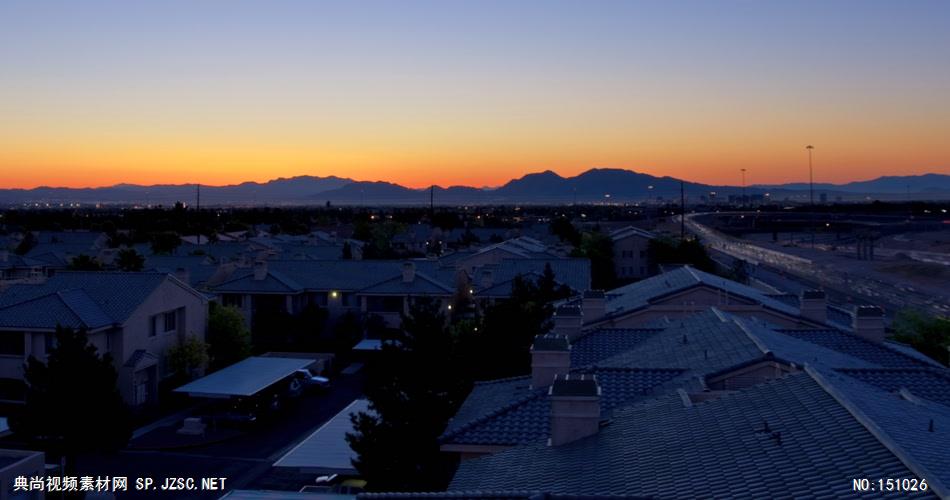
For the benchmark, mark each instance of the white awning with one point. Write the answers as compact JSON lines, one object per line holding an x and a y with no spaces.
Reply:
{"x":244,"y":378}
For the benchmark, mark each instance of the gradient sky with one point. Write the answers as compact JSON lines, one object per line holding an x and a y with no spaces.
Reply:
{"x":221,"y":91}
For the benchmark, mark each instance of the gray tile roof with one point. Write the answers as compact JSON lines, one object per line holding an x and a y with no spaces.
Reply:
{"x":90,"y":296}
{"x":918,"y":430}
{"x":638,"y":295}
{"x":68,"y":308}
{"x":857,"y":347}
{"x":326,"y":275}
{"x":716,"y":449}
{"x":601,"y":344}
{"x":929,"y":383}
{"x":574,"y":273}
{"x":526,"y":417}
{"x":420,"y":285}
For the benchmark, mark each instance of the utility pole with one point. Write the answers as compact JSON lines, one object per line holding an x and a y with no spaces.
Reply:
{"x":198,"y":208}
{"x":432,"y":205}
{"x":682,"y":212}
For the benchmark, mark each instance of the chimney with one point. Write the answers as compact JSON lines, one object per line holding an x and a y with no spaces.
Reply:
{"x":594,"y":305}
{"x":550,"y":358}
{"x":575,"y":408}
{"x":183,"y":275}
{"x":408,"y":272}
{"x":868,"y":323}
{"x":814,"y":305}
{"x":488,"y":279}
{"x":568,"y":321}
{"x":260,"y":270}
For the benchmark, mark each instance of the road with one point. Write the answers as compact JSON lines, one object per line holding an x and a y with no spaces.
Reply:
{"x":241,"y":459}
{"x":794,"y":271}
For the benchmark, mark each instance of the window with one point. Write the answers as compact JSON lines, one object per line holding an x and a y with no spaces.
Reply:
{"x":233,"y":300}
{"x":643,"y":254}
{"x":49,"y":342}
{"x":170,"y":321}
{"x":12,"y":344}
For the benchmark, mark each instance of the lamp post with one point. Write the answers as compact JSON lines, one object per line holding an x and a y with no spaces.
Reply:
{"x":743,"y":185}
{"x":811,"y":193}
{"x":811,"y":176}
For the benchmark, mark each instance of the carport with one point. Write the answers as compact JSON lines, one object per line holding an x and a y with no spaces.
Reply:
{"x":326,"y":451}
{"x":244,"y":378}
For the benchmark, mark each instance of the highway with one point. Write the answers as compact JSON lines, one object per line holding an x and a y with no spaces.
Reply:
{"x":790,"y":273}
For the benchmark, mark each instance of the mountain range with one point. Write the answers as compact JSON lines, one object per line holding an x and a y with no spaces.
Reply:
{"x":595,"y":185}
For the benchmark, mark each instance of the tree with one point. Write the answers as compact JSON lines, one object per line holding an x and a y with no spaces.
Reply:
{"x":129,"y":260}
{"x":27,"y":243}
{"x":165,"y":242}
{"x":739,"y":271}
{"x":928,"y":334}
{"x":413,"y":387}
{"x":599,"y":248}
{"x":508,"y":329}
{"x":228,"y":337}
{"x":565,"y":231}
{"x":188,"y":358}
{"x":690,"y":251}
{"x":72,"y":402}
{"x":83,"y":262}
{"x":347,"y":251}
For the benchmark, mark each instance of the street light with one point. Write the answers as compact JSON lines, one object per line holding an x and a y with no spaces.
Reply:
{"x":811,"y":193}
{"x":811,"y":176}
{"x":743,"y":185}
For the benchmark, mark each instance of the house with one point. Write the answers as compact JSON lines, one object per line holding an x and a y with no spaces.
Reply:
{"x":135,"y":317}
{"x":384,"y":288}
{"x":493,"y":281}
{"x":381,"y":287}
{"x":15,"y":267}
{"x":686,"y":290}
{"x":632,"y":253}
{"x":671,"y":409}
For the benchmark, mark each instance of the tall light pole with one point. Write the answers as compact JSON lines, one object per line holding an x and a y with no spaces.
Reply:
{"x":811,"y":193}
{"x":743,"y":185}
{"x":811,"y":176}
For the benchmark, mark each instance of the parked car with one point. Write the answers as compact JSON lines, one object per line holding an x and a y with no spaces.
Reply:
{"x":308,"y":380}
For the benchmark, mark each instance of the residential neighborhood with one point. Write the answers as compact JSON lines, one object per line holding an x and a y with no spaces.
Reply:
{"x":270,"y":347}
{"x":474,"y":250}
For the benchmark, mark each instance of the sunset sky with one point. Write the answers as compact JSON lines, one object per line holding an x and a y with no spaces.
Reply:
{"x":221,"y":91}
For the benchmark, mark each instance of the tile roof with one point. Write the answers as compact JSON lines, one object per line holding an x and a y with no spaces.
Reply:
{"x":715,"y":449}
{"x":876,"y":354}
{"x":917,"y":430}
{"x":68,"y":308}
{"x":929,"y":383}
{"x":420,"y":285}
{"x":525,"y":418}
{"x":637,"y":295}
{"x":573,"y":272}
{"x":89,"y":296}
{"x":601,"y":344}
{"x":325,"y":275}
{"x":624,"y":232}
